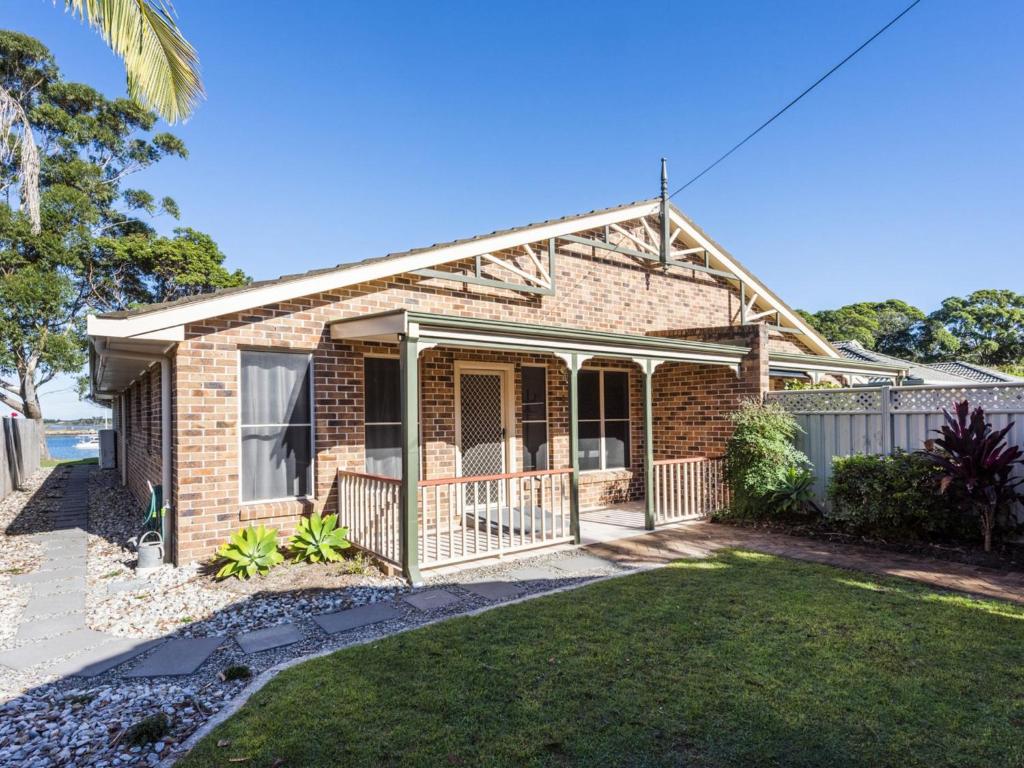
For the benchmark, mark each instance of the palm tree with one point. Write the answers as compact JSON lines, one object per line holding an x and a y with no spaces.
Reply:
{"x":162,"y":68}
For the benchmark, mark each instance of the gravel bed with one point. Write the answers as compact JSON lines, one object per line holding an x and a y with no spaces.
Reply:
{"x":78,"y":722}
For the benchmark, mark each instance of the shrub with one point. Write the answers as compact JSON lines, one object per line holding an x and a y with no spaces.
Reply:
{"x":794,"y":493}
{"x":236,"y":672}
{"x":759,"y":455}
{"x":975,"y":461}
{"x":148,"y":730}
{"x":249,"y":551}
{"x":317,"y":538}
{"x":891,"y":496}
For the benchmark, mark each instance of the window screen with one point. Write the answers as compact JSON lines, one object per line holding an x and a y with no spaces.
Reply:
{"x":603,"y":419}
{"x":276,"y":423}
{"x":535,"y":417}
{"x":382,"y":416}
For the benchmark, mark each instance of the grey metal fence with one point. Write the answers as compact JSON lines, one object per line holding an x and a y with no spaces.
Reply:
{"x":19,"y":453}
{"x":861,"y":420}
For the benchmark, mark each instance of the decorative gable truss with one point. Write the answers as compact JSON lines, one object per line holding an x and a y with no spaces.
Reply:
{"x":530,"y":267}
{"x":521,"y":259}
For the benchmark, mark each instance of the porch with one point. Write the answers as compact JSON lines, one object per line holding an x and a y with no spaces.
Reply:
{"x":448,"y":491}
{"x":462,"y":519}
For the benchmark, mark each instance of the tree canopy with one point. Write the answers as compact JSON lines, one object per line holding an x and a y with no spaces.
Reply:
{"x":986,"y":327}
{"x":97,"y":248}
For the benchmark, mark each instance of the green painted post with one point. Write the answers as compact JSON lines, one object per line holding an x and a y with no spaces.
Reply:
{"x":574,"y":447}
{"x":408,"y":523}
{"x":648,"y":369}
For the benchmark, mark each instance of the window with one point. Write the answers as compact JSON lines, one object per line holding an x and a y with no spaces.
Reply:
{"x":535,"y":417}
{"x":277,"y":425}
{"x":382,"y":416}
{"x":603,"y":419}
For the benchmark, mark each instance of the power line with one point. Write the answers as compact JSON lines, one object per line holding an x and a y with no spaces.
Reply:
{"x":810,"y":88}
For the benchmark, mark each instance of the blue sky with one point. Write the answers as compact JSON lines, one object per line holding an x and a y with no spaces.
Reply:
{"x":348,"y":130}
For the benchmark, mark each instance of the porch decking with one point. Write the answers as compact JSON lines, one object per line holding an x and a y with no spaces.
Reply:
{"x":459,"y":519}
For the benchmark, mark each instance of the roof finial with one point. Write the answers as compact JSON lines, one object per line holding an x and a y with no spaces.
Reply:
{"x":666,"y":244}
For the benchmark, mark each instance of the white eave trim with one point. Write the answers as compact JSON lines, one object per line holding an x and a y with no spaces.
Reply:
{"x":728,"y":265}
{"x":240,"y":301}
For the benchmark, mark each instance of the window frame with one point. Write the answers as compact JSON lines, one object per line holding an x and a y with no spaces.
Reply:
{"x":602,"y":420}
{"x":546,"y":421}
{"x":379,"y":356}
{"x":310,"y":362}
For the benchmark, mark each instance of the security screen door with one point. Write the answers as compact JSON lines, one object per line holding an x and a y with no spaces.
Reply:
{"x":482,"y":432}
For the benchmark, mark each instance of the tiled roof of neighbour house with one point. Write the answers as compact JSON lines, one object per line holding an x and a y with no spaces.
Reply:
{"x":976,"y":372}
{"x":925,"y":374}
{"x":352,"y":265}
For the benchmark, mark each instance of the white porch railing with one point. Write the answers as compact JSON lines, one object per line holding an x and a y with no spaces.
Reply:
{"x":464,"y":518}
{"x":686,"y":489}
{"x":370,"y":505}
{"x":459,"y":518}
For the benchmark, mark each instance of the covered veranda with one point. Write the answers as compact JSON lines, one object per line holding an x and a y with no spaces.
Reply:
{"x":417,"y":523}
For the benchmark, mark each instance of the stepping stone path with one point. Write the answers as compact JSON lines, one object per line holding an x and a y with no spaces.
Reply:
{"x":581,"y":564}
{"x":494,"y":590}
{"x":342,"y":621}
{"x":265,"y":639}
{"x":53,"y":624}
{"x":179,"y":656}
{"x":431,"y":599}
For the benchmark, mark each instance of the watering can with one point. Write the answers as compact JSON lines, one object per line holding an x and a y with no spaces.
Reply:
{"x":151,"y":551}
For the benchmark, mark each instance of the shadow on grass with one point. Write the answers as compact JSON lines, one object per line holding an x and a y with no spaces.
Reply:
{"x":745,"y":659}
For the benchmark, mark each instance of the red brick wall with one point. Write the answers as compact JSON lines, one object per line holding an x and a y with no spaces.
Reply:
{"x":140,"y":426}
{"x":597,"y":293}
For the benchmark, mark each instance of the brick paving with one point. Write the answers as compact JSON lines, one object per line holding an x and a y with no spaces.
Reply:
{"x":701,"y":539}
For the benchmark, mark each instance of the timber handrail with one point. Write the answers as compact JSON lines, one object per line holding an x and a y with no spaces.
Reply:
{"x":485,"y":478}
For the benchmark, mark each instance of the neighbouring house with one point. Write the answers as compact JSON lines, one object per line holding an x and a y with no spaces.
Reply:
{"x":460,"y":401}
{"x":953,"y":372}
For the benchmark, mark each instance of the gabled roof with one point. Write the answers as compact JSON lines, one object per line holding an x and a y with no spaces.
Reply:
{"x":955,"y":372}
{"x":166,"y":321}
{"x":976,"y":372}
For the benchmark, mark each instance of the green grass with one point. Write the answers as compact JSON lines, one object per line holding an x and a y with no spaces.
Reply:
{"x":67,"y":462}
{"x":743,"y":659}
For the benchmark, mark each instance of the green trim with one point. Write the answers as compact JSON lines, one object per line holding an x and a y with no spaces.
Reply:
{"x":840,"y":364}
{"x":408,"y":523}
{"x":576,"y":334}
{"x":648,"y":374}
{"x":437,"y":274}
{"x":574,"y":448}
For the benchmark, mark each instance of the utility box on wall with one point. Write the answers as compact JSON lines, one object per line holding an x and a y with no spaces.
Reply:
{"x":108,"y":448}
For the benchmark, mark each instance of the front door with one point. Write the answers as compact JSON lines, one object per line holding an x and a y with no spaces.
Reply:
{"x":482,"y":430}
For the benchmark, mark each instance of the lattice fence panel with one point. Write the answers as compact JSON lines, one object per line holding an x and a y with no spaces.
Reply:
{"x":844,"y":422}
{"x":829,"y":400}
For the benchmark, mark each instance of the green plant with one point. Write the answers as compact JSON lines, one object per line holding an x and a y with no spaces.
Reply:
{"x":975,"y":460}
{"x":148,"y":730}
{"x":236,"y":672}
{"x":248,"y":552}
{"x":794,"y":494}
{"x":758,"y":456}
{"x":317,"y":538}
{"x":891,"y":497}
{"x":798,"y":384}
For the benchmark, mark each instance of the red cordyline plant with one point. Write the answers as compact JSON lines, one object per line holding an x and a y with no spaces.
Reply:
{"x":976,"y":460}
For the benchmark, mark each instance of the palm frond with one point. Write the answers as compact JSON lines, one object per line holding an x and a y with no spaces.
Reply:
{"x":162,"y":66}
{"x":21,"y":145}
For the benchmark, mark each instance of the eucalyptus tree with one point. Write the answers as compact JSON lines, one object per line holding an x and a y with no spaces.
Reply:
{"x":96,"y":248}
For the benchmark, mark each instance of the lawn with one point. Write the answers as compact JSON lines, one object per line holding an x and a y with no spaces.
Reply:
{"x":743,"y":659}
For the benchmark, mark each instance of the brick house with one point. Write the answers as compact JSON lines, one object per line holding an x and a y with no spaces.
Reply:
{"x":458,"y":401}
